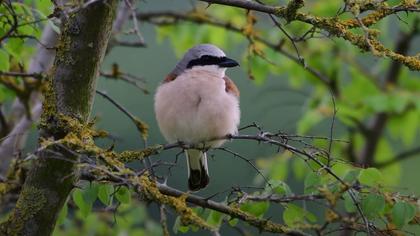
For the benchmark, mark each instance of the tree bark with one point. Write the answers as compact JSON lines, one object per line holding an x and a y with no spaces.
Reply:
{"x":81,"y":48}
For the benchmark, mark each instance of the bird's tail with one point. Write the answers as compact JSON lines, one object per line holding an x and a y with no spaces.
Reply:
{"x":198,"y":172}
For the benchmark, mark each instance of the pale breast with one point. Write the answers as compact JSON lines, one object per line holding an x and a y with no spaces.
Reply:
{"x":193,"y":109}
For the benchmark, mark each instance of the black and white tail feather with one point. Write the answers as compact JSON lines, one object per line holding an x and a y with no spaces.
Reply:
{"x":198,"y":172}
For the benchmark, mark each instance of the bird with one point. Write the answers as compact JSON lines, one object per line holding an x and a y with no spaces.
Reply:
{"x":196,"y":104}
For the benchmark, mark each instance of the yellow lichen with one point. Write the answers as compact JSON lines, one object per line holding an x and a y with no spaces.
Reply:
{"x":292,"y":7}
{"x":63,"y":47}
{"x":331,"y":216}
{"x":409,"y":3}
{"x":4,"y":187}
{"x":188,"y":216}
{"x":49,"y":105}
{"x":248,"y":30}
{"x":412,"y":62}
{"x":329,"y":196}
{"x":128,"y":156}
{"x":368,"y":20}
{"x":142,"y":127}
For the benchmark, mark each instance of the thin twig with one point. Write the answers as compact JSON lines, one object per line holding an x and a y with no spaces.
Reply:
{"x":235,"y":154}
{"x":140,"y":125}
{"x":278,"y":24}
{"x":152,"y":16}
{"x":163,"y":220}
{"x":22,"y":74}
{"x":116,"y":104}
{"x":127,"y":78}
{"x":399,"y":157}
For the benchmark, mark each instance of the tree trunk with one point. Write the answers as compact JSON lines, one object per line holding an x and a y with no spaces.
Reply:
{"x":80,"y":51}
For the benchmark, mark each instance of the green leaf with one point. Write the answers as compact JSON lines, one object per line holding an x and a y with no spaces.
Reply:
{"x":278,"y":168}
{"x":6,"y":93}
{"x":278,"y":187}
{"x":90,"y":193}
{"x":309,"y":120}
{"x":295,"y":214}
{"x":215,"y":218}
{"x":373,"y":205}
{"x":351,"y":176}
{"x":378,"y":103}
{"x":398,"y":102}
{"x":63,"y":214}
{"x":357,"y":90}
{"x":255,"y":208}
{"x":299,"y":168}
{"x":233,"y":222}
{"x":349,"y":203}
{"x":105,"y":193}
{"x":370,"y":177}
{"x":81,"y":203}
{"x":312,"y":181}
{"x":178,"y":227}
{"x":44,"y":6}
{"x":216,"y":36}
{"x":26,"y":29}
{"x":4,"y":61}
{"x":387,"y":102}
{"x":259,"y":69}
{"x":405,"y":126}
{"x":123,"y":195}
{"x":15,"y":46}
{"x":402,"y":213}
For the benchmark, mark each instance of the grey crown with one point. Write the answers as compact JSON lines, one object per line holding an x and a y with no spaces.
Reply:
{"x":195,"y":53}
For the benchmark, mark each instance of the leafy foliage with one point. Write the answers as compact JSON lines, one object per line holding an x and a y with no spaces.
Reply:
{"x":347,"y":174}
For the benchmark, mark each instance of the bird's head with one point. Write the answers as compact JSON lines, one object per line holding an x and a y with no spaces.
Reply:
{"x":204,"y":56}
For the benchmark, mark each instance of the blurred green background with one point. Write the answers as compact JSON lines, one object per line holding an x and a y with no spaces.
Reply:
{"x":275,"y":104}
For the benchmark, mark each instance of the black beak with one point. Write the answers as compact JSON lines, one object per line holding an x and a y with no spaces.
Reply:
{"x":227,"y":62}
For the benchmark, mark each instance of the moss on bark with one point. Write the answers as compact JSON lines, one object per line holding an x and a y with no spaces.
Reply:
{"x":68,"y":97}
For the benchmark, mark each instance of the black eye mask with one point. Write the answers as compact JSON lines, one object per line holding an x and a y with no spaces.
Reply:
{"x":212,"y":60}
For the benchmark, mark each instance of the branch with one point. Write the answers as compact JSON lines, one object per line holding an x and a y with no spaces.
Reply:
{"x":262,"y":224}
{"x":22,"y":74}
{"x":334,"y":27}
{"x":140,"y":125}
{"x":126,"y":10}
{"x":282,"y":199}
{"x":378,"y":123}
{"x":278,"y":24}
{"x":153,"y":18}
{"x":109,"y":166}
{"x":14,"y":25}
{"x":20,"y":123}
{"x":51,"y":179}
{"x":118,"y":75}
{"x":398,"y":158}
{"x":251,"y":5}
{"x":163,"y":220}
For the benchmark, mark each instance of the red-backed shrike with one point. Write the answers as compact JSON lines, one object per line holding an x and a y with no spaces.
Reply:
{"x":196,"y":103}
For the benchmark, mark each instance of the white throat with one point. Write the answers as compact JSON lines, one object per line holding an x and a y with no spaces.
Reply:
{"x":212,"y":69}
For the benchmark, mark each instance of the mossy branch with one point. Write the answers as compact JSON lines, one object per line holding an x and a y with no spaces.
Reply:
{"x":336,"y":27}
{"x":149,"y":189}
{"x":69,"y":93}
